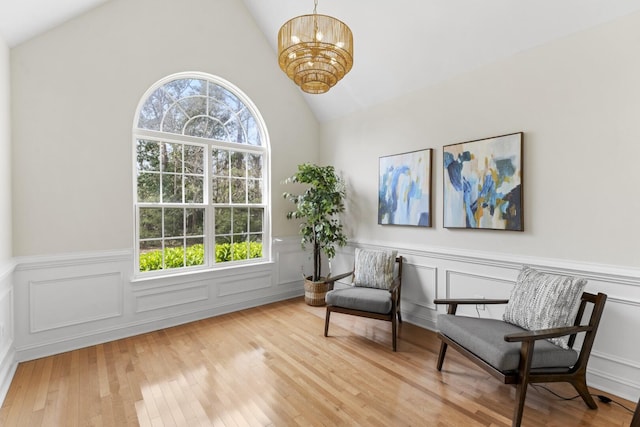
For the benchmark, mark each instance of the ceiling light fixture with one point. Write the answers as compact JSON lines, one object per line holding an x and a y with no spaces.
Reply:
{"x":315,"y":51}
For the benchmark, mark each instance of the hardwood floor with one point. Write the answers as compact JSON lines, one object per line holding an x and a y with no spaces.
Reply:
{"x":272,"y":366}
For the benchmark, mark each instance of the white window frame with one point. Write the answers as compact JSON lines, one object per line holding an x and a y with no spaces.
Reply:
{"x":207,"y":205}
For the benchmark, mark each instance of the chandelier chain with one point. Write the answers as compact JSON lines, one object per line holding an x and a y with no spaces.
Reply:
{"x":315,"y":7}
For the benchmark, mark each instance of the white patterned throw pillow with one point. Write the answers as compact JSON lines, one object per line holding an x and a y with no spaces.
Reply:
{"x":374,"y":269}
{"x":541,"y":301}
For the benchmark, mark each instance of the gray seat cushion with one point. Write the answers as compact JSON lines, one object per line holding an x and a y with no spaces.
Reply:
{"x":358,"y":298}
{"x":485,"y":338}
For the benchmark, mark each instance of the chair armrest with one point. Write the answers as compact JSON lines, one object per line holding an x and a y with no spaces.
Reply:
{"x":543,"y":334}
{"x":453,"y":303}
{"x":333,"y":279}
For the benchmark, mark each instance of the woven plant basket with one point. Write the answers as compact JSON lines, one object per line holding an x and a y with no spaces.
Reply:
{"x":314,"y":292}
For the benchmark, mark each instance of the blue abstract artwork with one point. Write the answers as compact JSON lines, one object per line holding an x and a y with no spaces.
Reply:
{"x":483,"y":183}
{"x":404,"y":191}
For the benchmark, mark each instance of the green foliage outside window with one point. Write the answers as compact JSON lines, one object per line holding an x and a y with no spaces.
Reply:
{"x":174,"y":257}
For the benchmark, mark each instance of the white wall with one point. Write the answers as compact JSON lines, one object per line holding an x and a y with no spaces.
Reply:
{"x":577,"y":101}
{"x":75,"y":90}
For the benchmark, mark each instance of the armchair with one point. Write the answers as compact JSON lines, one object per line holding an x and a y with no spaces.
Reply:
{"x":525,"y":355}
{"x":375,"y":292}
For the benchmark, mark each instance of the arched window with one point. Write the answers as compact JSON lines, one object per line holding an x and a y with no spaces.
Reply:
{"x":201,"y":159}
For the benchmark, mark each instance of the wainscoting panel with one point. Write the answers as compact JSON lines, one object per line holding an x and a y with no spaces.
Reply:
{"x":171,"y":297}
{"x":424,"y":284}
{"x":60,"y":303}
{"x":614,"y":365}
{"x":74,"y":300}
{"x":243,"y":283}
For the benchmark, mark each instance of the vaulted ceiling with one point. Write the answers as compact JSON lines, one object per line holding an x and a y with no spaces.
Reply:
{"x":400,"y":45}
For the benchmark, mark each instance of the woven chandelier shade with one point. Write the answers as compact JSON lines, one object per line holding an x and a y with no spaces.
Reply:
{"x":315,"y":51}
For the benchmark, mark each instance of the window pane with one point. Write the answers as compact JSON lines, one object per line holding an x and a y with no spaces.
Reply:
{"x":194,"y":159}
{"x":240,"y":223}
{"x":219,"y":132}
{"x":255,"y":220}
{"x":254,"y":165}
{"x":174,"y":120}
{"x":236,"y":133}
{"x":172,"y":188}
{"x":238,"y":167}
{"x":150,"y":223}
{"x":148,"y":155}
{"x":223,"y":96}
{"x":250,"y":128}
{"x":255,"y":246}
{"x":220,"y":190}
{"x":153,"y":110}
{"x":195,"y":252}
{"x":223,"y":220}
{"x":238,"y":191}
{"x":193,"y":189}
{"x":193,"y":106}
{"x":240,"y":250}
{"x":173,"y":222}
{"x":149,"y":187}
{"x":171,"y":157}
{"x":220,"y":163}
{"x":223,"y":249}
{"x":194,"y":221}
{"x":178,"y":89}
{"x":150,"y":255}
{"x":174,"y":253}
{"x":254,"y":191}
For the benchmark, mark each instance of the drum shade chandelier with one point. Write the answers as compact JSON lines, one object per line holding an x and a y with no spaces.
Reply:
{"x":315,"y":51}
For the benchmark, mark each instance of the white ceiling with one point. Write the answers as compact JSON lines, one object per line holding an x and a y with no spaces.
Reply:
{"x":399,"y":45}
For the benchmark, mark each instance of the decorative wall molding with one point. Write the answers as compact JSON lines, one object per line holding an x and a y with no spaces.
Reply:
{"x":614,"y":361}
{"x":151,"y":304}
{"x":171,"y":297}
{"x":93,"y":297}
{"x":451,"y":274}
{"x":43,"y":262}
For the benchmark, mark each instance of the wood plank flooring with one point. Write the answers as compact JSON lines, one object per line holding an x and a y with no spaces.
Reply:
{"x":272,"y":366}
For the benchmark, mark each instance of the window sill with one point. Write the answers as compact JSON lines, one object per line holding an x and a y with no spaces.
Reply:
{"x":186,"y":276}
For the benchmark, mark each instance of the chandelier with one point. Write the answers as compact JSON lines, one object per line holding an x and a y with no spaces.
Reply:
{"x":315,"y":51}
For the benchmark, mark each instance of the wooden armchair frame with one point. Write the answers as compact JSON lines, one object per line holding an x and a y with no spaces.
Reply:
{"x":525,"y":375}
{"x":393,"y":316}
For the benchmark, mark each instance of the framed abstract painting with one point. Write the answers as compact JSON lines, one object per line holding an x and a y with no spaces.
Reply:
{"x":404,"y":189}
{"x":483,"y":183}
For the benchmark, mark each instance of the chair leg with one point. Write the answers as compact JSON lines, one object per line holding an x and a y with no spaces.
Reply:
{"x":399,"y":316}
{"x":394,"y":332}
{"x":580,"y":384}
{"x":526,"y":355}
{"x":443,"y":351}
{"x":326,"y":323}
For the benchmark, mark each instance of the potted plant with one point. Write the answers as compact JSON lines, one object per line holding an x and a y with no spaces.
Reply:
{"x":318,"y":206}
